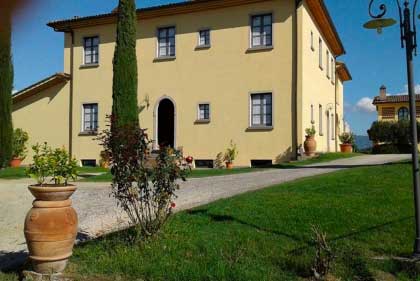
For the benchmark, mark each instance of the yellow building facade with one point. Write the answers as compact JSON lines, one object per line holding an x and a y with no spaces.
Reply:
{"x":257,"y":72}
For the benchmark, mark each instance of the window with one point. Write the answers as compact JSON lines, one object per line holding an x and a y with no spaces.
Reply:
{"x":328,"y":64}
{"x":320,"y":121}
{"x":261,"y":110}
{"x":166,"y":42}
{"x":90,"y":117}
{"x":261,"y":30}
{"x":204,"y":37}
{"x":312,"y":41}
{"x":204,"y":112}
{"x":91,"y":50}
{"x":320,"y":53}
{"x":332,"y":70}
{"x":403,"y":114}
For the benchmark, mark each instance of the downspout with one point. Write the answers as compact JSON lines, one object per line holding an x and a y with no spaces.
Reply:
{"x":295,"y":141}
{"x":335,"y":105}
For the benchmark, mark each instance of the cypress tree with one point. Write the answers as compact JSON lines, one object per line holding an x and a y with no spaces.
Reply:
{"x":125,"y":110}
{"x":6,"y":87}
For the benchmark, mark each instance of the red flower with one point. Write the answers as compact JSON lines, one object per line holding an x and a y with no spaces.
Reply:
{"x":173,"y":205}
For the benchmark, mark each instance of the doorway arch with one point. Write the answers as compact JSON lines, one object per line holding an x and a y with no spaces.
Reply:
{"x":165,"y":120}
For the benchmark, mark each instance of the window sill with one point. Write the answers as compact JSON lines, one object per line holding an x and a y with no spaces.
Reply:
{"x":202,"y":47}
{"x":88,"y":133}
{"x":92,"y":65}
{"x":204,"y":121}
{"x":259,"y":49}
{"x":168,"y":58}
{"x":262,"y":128}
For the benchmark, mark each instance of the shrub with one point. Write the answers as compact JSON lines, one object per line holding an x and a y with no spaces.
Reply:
{"x":145,"y":192}
{"x":231,"y":153}
{"x":20,"y":138}
{"x":218,"y":162}
{"x":347,"y":138}
{"x":52,"y":163}
{"x":310,"y":132}
{"x":324,"y":256}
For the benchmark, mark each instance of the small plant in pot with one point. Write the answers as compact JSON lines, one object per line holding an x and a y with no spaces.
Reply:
{"x":347,"y":142}
{"x":51,"y":224}
{"x":20,"y":139}
{"x":310,"y":143}
{"x":105,"y":158}
{"x":230,"y":155}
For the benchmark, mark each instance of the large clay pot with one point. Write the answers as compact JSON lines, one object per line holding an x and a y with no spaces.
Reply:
{"x":346,"y":148}
{"x":15,"y":162}
{"x":229,"y":165}
{"x":310,"y":146}
{"x":51,"y":228}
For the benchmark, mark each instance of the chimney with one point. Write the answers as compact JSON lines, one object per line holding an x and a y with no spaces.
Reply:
{"x":382,"y":92}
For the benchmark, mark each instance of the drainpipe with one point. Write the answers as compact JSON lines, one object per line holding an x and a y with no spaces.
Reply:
{"x":335,"y":105}
{"x":295,"y":141}
{"x":71,"y":94}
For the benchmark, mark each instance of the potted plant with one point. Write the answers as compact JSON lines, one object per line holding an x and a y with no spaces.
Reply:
{"x":20,"y":138}
{"x":347,"y":142}
{"x":51,"y":224}
{"x":230,"y":155}
{"x":105,"y":158}
{"x":310,"y":143}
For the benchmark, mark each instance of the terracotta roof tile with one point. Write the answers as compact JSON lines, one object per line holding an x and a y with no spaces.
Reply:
{"x":393,"y":99}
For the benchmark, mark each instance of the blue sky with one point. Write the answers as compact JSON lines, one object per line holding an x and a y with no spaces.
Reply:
{"x":372,"y":59}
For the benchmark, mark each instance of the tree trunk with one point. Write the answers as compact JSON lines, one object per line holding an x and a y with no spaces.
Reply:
{"x":6,"y":87}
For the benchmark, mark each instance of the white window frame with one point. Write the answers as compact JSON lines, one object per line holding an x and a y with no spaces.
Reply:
{"x":250,"y":125}
{"x":328,"y":63}
{"x":157,"y":42}
{"x":83,"y":129}
{"x":84,"y":50}
{"x":198,"y":112}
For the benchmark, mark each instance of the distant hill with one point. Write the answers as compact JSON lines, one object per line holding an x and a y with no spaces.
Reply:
{"x":363,"y":142}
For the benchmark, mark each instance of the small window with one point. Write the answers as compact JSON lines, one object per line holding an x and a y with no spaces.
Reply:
{"x":321,"y":65}
{"x":204,"y":38}
{"x":88,"y":162}
{"x":403,"y":114}
{"x":261,"y":110}
{"x":204,"y":112}
{"x":328,"y":64}
{"x":202,"y":163}
{"x":388,"y":113}
{"x":166,"y":42}
{"x":91,"y":50}
{"x":90,"y":117}
{"x":312,"y":41}
{"x":261,"y":30}
{"x":261,"y":163}
{"x":321,"y":132}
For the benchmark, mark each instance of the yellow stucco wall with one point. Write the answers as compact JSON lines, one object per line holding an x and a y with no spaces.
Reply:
{"x":318,"y":89}
{"x":45,"y":117}
{"x":396,"y":106}
{"x":224,"y":75}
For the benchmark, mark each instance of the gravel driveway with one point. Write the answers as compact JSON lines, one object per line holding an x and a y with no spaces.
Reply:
{"x":98,"y":213}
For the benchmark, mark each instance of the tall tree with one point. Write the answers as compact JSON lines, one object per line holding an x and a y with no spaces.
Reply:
{"x":124,"y":90}
{"x":6,"y":86}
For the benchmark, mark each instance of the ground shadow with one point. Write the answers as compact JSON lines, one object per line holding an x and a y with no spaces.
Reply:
{"x":12,"y":262}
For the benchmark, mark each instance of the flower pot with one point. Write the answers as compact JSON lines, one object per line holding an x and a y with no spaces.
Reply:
{"x":15,"y":162}
{"x":229,"y":165}
{"x":51,"y":228}
{"x":310,"y":146}
{"x":346,"y":148}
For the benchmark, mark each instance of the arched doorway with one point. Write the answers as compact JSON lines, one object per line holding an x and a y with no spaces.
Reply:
{"x":166,"y":123}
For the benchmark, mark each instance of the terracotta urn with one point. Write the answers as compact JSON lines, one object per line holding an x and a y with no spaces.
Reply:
{"x":310,"y":145}
{"x":346,"y":148}
{"x":51,"y":228}
{"x":15,"y":162}
{"x":229,"y":165}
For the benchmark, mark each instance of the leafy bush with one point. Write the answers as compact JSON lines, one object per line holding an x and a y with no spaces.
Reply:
{"x":145,"y":192}
{"x":218,"y":162}
{"x":391,"y":149}
{"x":52,"y":163}
{"x":347,"y":138}
{"x":310,"y":132}
{"x":231,"y":153}
{"x":20,"y":138}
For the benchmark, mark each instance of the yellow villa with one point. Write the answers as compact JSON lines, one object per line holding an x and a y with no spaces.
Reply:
{"x":394,"y":107}
{"x":257,"y":72}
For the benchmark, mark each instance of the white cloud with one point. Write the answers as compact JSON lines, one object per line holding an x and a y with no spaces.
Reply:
{"x":416,"y":89}
{"x":365,"y":105}
{"x":14,"y":92}
{"x":347,"y":127}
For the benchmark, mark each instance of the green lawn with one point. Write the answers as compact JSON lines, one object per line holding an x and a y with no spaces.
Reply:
{"x":322,"y":158}
{"x":19,"y":173}
{"x":266,"y":235}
